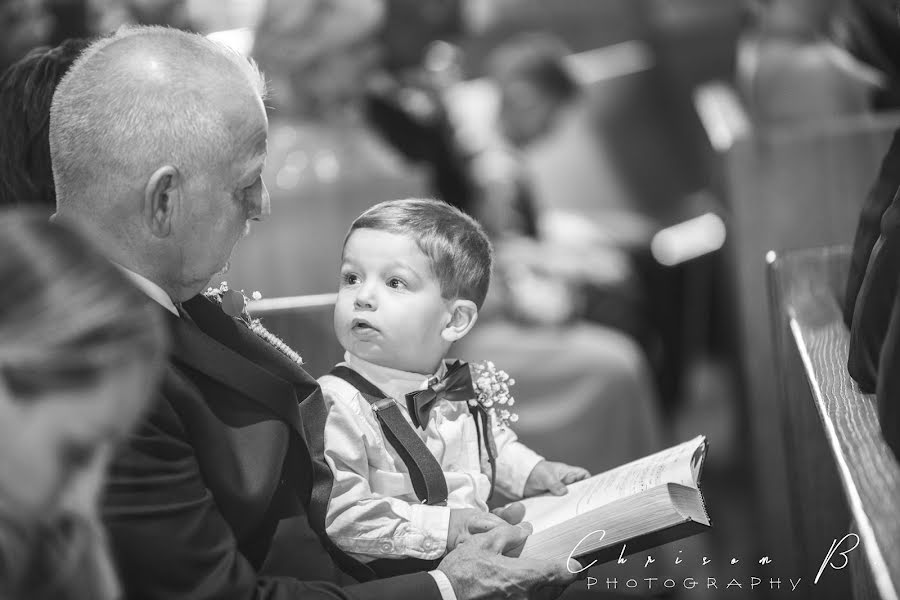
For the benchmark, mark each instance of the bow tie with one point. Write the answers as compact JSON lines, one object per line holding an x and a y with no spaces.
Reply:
{"x":455,"y":386}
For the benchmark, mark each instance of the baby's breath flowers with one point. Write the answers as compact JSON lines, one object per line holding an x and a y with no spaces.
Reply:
{"x":492,"y":391}
{"x":234,"y":303}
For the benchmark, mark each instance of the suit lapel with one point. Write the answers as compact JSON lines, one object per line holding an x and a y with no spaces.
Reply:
{"x":196,"y":348}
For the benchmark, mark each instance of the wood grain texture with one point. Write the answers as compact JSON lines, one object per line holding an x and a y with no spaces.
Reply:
{"x":804,"y":285}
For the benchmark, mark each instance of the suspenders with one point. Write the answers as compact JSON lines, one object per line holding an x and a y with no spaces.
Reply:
{"x":424,"y":471}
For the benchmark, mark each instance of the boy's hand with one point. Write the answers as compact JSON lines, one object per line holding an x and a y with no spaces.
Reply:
{"x":553,"y":477}
{"x":465,"y":522}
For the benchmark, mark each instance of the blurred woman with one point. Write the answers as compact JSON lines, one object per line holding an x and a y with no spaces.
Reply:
{"x":26,"y":92}
{"x":80,"y":351}
{"x":789,"y":71}
{"x":323,"y":159}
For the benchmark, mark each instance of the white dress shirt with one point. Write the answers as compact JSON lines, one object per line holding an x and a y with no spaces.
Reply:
{"x":373,"y":511}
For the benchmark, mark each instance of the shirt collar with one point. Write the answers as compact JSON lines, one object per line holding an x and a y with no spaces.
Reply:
{"x":393,"y":382}
{"x":151,"y":289}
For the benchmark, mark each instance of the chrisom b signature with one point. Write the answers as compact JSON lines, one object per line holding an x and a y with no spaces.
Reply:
{"x":836,"y":558}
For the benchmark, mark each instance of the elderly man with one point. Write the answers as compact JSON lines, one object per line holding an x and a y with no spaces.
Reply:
{"x":158,"y":138}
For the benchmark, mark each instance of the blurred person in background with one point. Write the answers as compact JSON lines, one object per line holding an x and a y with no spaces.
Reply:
{"x":108,"y":15}
{"x":568,"y":249}
{"x":534,"y":309}
{"x":24,"y":24}
{"x":80,"y":352}
{"x":870,"y":31}
{"x":790,"y":71}
{"x":323,"y":158}
{"x":404,"y":101}
{"x":71,"y":19}
{"x":548,"y":288}
{"x":26,"y":92}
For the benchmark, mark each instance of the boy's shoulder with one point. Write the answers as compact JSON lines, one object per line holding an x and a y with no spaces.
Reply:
{"x":336,"y":389}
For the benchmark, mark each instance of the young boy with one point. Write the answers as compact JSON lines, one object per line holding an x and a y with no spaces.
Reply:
{"x":414,"y":274}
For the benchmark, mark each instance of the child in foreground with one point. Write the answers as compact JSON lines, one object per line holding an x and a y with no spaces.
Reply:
{"x":414,"y":275}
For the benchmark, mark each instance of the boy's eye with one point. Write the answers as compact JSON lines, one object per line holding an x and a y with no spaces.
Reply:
{"x":395,"y":283}
{"x":350,"y":278}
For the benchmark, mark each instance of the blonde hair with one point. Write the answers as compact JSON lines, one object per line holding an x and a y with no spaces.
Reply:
{"x":67,"y":314}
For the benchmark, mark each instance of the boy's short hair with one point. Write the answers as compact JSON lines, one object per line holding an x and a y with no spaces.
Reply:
{"x":459,"y":251}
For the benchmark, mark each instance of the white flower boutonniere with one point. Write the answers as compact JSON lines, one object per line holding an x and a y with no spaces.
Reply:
{"x":234,"y":304}
{"x":492,"y":391}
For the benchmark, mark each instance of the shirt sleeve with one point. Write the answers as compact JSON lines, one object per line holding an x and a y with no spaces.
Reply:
{"x":444,"y":585}
{"x":515,"y":461}
{"x":359,"y":520}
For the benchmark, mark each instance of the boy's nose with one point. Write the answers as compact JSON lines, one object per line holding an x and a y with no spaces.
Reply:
{"x":365,"y":298}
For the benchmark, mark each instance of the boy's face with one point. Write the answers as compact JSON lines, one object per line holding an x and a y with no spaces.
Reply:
{"x":389,"y":308}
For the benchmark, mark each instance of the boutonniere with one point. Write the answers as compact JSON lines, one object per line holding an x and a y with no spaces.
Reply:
{"x":492,"y":391}
{"x":234,"y":304}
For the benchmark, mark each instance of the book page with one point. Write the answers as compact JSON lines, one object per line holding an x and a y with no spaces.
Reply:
{"x":680,"y":464}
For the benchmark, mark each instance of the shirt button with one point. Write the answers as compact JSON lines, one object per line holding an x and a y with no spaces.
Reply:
{"x":387,"y":547}
{"x":429,"y":545}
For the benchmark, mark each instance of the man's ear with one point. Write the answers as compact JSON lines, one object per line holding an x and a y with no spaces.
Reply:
{"x":162,"y":199}
{"x":463,"y":314}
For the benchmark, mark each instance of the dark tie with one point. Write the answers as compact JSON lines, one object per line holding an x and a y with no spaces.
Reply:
{"x":455,"y":386}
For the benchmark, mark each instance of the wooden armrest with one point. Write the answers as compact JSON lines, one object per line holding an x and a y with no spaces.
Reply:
{"x":807,"y":282}
{"x":268,"y":306}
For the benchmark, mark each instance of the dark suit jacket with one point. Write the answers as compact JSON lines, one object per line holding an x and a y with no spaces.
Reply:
{"x":213,"y":495}
{"x":874,"y":264}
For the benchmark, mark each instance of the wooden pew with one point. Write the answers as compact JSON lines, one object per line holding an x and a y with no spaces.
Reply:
{"x":795,"y":187}
{"x":843,"y":476}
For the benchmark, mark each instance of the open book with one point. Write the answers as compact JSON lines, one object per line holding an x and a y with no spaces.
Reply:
{"x":642,"y":504}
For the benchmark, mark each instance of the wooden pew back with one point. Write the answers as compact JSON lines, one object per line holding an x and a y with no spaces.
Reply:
{"x":843,"y":477}
{"x":797,"y":187}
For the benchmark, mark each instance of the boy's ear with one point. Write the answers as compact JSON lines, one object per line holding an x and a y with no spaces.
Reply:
{"x":162,"y":197}
{"x":463,"y":314}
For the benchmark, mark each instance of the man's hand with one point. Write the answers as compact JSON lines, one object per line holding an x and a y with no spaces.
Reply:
{"x":465,"y":522}
{"x":512,"y":513}
{"x":478,"y":570}
{"x":552,"y":477}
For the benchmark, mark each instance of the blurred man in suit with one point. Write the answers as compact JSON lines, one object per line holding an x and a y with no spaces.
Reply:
{"x":158,"y":139}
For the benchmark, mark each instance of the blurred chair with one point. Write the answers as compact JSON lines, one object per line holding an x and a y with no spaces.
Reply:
{"x":843,"y":476}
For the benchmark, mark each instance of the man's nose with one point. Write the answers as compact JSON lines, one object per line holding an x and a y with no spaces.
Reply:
{"x":265,"y":205}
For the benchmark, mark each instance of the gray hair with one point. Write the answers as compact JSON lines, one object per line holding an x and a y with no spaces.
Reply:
{"x":135,"y":101}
